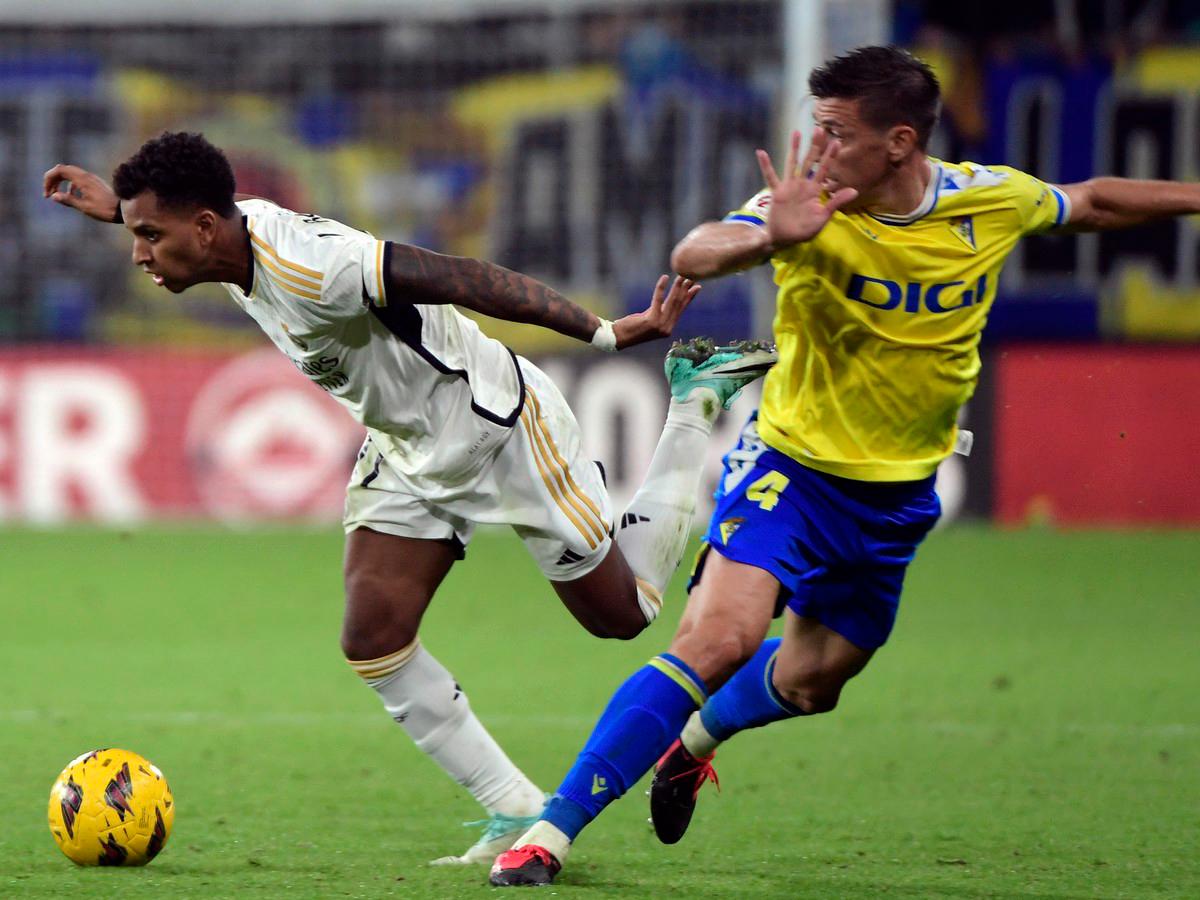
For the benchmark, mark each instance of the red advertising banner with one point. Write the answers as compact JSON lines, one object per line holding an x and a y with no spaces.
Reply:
{"x":126,"y":436}
{"x":130,"y":435}
{"x":1098,"y":434}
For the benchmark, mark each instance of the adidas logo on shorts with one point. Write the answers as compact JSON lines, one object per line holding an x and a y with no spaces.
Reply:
{"x":568,"y":558}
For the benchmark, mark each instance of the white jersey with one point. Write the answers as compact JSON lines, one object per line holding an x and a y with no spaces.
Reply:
{"x":437,"y":395}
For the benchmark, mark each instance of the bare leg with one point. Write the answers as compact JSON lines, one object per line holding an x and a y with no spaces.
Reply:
{"x":389,"y":583}
{"x":806,"y":670}
{"x":814,"y":664}
{"x":726,"y":619}
{"x":605,"y":600}
{"x":653,"y":532}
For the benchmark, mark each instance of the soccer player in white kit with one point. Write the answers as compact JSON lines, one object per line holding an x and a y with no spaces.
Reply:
{"x":460,"y":430}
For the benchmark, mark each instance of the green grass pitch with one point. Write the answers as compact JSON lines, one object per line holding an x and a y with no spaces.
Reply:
{"x":1032,"y":729}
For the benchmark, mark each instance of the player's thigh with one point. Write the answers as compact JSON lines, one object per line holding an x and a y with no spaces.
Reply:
{"x":398,"y":550}
{"x":738,"y":581}
{"x":389,"y":583}
{"x":728,"y":612}
{"x":814,"y":662}
{"x":604,"y":600}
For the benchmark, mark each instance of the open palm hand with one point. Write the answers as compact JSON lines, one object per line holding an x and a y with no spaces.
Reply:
{"x":798,"y":208}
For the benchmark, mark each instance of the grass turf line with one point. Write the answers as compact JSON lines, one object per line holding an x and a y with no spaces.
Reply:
{"x":1030,"y":731}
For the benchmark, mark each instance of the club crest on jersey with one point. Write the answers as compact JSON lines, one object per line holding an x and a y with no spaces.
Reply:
{"x":964,"y":230}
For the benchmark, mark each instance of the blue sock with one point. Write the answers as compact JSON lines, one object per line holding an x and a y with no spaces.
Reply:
{"x":641,"y":720}
{"x":748,"y":699}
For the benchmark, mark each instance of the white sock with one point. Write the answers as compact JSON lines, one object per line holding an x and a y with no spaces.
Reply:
{"x":422,"y":696}
{"x":695,"y":737}
{"x":543,"y":834}
{"x":655,"y":527}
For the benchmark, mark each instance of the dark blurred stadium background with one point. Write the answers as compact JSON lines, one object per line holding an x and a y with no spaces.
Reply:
{"x":575,"y":141}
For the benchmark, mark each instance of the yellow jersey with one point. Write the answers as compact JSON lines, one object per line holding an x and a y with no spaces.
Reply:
{"x":878,"y":321}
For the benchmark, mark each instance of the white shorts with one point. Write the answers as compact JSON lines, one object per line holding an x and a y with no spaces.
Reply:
{"x":540,"y":482}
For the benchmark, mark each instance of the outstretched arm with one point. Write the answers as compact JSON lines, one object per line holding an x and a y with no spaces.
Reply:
{"x":1101,"y":204}
{"x":720,"y":248}
{"x":797,"y":212}
{"x":91,"y":194}
{"x":417,"y":275}
{"x":88,"y":193}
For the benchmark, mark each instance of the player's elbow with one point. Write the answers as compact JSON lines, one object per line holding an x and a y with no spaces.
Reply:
{"x":1092,"y":207}
{"x":681,"y":261}
{"x":1087,"y":207}
{"x":692,"y":262}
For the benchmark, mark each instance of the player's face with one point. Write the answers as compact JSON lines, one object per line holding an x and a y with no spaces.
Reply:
{"x":864,"y":160}
{"x":168,"y":243}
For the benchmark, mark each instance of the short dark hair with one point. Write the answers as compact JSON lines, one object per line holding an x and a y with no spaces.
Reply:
{"x":892,"y":86}
{"x":181,"y":169}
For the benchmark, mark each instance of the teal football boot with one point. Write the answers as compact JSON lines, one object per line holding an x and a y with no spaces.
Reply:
{"x":722,"y":369}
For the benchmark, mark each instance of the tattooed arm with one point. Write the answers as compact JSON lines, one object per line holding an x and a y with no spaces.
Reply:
{"x":421,"y":276}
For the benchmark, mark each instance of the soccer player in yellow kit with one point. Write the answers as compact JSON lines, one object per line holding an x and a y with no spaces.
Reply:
{"x":887,"y":262}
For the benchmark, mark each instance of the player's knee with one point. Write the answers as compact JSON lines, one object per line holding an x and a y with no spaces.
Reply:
{"x":622,"y":627}
{"x":715,"y":654}
{"x":362,"y":644}
{"x":602,"y":611}
{"x":812,"y":696}
{"x":732,"y":650}
{"x":374,"y":625}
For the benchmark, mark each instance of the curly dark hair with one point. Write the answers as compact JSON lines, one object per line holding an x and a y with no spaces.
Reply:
{"x":181,"y":169}
{"x":892,"y":86}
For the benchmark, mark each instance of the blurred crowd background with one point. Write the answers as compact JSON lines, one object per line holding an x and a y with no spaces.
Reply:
{"x":576,"y":141}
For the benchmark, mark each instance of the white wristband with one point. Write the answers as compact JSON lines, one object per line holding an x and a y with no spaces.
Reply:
{"x":605,"y":338}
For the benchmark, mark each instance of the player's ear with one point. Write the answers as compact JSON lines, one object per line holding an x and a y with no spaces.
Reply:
{"x":206,"y":226}
{"x":901,"y":141}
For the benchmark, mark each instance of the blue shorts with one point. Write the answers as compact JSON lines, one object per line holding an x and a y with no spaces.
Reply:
{"x":838,"y":547}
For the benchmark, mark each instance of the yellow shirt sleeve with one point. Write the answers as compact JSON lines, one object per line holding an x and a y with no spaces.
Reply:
{"x":753,"y":211}
{"x":1040,"y":206}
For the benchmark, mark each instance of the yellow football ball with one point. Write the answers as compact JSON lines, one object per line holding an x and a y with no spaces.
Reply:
{"x":111,"y":808}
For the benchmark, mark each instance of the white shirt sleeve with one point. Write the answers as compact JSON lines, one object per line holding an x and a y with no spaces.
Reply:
{"x":332,"y":271}
{"x":354,"y":279}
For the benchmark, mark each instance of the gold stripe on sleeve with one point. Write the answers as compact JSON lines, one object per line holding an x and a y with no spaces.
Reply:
{"x":379,"y":272}
{"x":295,"y":267}
{"x":281,"y":278}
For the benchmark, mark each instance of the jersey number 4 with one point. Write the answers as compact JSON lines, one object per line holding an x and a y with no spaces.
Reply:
{"x":767,"y":489}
